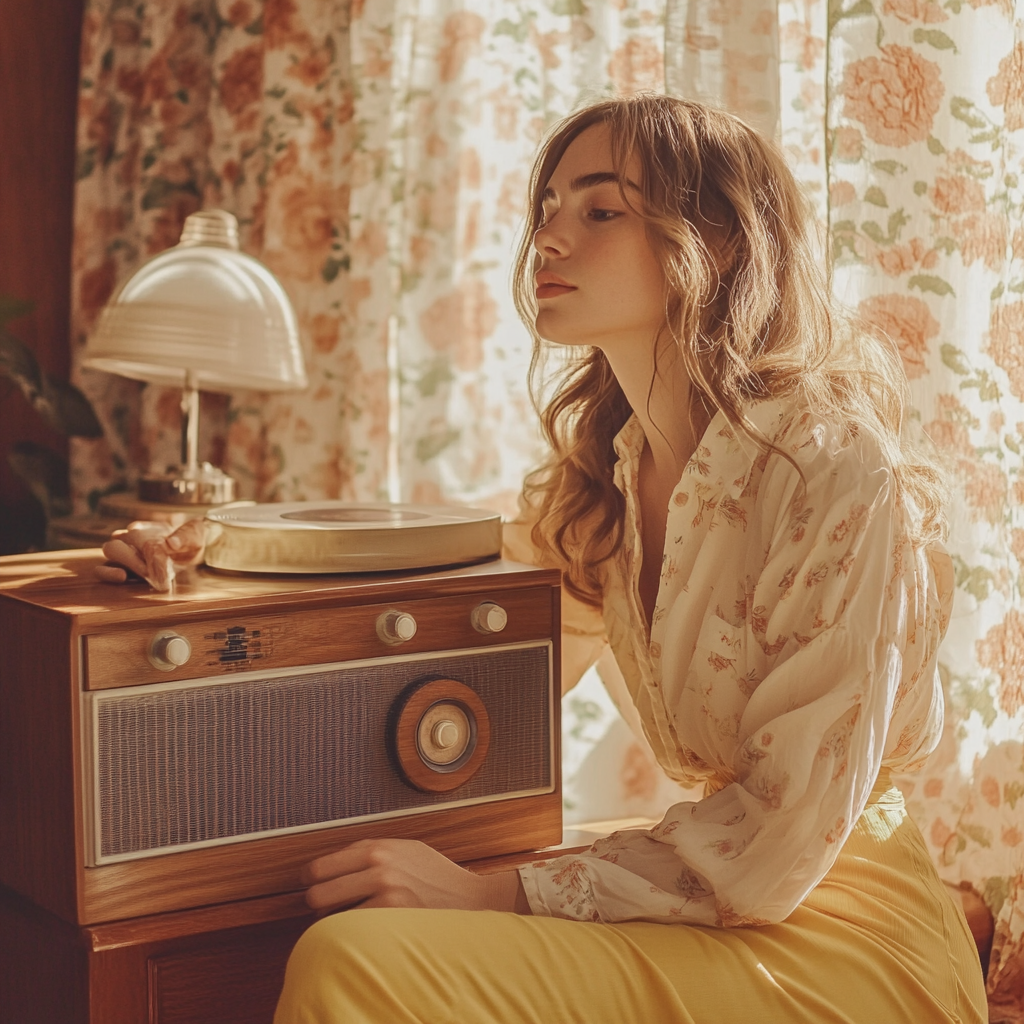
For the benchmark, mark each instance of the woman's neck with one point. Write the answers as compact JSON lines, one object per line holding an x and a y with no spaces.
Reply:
{"x":659,"y":394}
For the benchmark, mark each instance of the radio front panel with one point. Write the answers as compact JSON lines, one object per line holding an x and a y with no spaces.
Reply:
{"x":205,"y":762}
{"x":163,"y":752}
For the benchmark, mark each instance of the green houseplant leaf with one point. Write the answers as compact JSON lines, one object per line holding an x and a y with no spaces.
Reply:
{"x":23,"y":523}
{"x":61,"y":404}
{"x":11,"y":308}
{"x":46,"y":474}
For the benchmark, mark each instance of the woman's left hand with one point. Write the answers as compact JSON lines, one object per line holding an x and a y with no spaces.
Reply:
{"x":154,"y":551}
{"x":406,"y":873}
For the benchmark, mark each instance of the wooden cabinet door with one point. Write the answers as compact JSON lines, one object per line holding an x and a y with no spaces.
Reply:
{"x":235,"y":979}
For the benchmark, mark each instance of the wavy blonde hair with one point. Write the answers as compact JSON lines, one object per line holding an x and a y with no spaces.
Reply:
{"x":748,"y":309}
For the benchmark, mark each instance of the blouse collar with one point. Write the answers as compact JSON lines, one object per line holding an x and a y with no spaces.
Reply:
{"x":729,"y":454}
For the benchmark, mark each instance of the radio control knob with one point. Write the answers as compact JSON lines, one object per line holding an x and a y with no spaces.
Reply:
{"x":489,"y":617}
{"x":445,"y":734}
{"x":169,"y":651}
{"x":395,"y":627}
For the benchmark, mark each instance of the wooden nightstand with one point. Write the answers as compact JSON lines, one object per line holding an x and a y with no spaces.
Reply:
{"x":168,"y":763}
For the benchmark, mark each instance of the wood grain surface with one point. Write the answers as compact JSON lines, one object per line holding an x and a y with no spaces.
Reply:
{"x":39,"y":93}
{"x":231,"y":982}
{"x":50,"y":606}
{"x":44,"y":966}
{"x":266,"y":866}
{"x":64,"y":582}
{"x":212,"y":965}
{"x":312,"y":635}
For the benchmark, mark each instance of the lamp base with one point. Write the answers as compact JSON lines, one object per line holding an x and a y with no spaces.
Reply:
{"x":206,"y":485}
{"x":115,"y":512}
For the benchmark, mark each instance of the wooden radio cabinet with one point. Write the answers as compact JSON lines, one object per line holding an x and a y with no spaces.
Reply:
{"x":169,"y":762}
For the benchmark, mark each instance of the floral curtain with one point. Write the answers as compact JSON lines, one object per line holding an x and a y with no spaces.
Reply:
{"x":926,"y":220}
{"x":248,"y":106}
{"x":462,"y":94}
{"x":376,"y":153}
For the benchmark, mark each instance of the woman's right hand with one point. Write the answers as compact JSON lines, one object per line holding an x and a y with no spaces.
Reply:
{"x":154,"y":551}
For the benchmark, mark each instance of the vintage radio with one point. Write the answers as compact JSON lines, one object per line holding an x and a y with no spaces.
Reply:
{"x":167,"y":752}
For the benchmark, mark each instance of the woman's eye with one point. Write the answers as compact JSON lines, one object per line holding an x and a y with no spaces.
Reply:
{"x":603,"y":215}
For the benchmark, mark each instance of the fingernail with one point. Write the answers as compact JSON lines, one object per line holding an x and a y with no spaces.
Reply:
{"x":174,"y":542}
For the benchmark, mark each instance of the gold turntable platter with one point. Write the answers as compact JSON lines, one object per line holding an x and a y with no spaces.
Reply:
{"x":342,"y":536}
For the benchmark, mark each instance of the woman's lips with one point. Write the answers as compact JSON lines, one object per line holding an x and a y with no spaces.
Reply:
{"x":551,"y":291}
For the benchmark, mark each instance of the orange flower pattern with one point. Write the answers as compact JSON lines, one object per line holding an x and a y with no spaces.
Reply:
{"x":895,"y":96}
{"x":806,"y":577}
{"x":908,"y":321}
{"x":1006,"y":88}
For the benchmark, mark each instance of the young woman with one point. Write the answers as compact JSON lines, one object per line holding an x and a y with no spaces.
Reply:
{"x":735,"y":511}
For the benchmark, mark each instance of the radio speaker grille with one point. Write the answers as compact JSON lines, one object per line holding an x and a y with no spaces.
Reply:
{"x":221,"y":762}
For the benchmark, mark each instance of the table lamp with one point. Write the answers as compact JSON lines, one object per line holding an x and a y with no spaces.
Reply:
{"x":201,"y":315}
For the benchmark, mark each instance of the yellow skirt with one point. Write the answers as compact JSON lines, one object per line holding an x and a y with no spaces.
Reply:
{"x":878,"y":941}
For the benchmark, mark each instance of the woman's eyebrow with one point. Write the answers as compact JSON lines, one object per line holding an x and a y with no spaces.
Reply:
{"x":585,"y":181}
{"x":599,"y":178}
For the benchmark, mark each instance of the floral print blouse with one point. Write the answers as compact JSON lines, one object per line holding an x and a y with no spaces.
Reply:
{"x":791,"y":656}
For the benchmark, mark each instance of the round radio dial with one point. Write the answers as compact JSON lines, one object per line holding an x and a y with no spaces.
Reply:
{"x":489,"y":617}
{"x":169,"y":650}
{"x":395,"y":627}
{"x":441,"y":735}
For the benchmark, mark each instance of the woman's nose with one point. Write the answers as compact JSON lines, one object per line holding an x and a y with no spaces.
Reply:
{"x":549,"y":241}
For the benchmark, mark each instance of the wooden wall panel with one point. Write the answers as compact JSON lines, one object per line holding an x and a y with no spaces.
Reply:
{"x":44,"y":972}
{"x":37,"y":759}
{"x":39,"y":48}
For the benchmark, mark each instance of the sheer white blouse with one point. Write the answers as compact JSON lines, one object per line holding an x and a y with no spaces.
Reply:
{"x":791,"y":656}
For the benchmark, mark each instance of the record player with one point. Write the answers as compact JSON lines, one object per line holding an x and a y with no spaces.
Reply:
{"x":170,"y":761}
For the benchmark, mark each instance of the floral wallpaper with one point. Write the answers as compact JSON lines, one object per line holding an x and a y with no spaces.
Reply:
{"x":376,"y":154}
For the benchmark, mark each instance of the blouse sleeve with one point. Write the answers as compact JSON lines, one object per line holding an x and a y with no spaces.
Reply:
{"x":842,"y":601}
{"x":583,"y":635}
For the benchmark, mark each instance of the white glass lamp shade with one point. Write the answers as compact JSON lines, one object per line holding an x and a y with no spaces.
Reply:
{"x":201,"y":306}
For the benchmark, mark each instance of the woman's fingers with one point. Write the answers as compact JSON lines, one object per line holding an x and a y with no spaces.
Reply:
{"x":144,"y":529}
{"x":118,"y":550}
{"x":342,"y":862}
{"x":341,"y":893}
{"x":153,"y":551}
{"x":187,"y":543}
{"x":345,"y":878}
{"x":145,"y":557}
{"x":111,"y":573}
{"x":159,"y":567}
{"x":400,"y":873}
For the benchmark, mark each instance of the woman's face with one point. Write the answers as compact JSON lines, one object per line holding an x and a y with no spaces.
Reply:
{"x":597,"y":279}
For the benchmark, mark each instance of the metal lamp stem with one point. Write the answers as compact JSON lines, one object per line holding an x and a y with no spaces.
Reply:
{"x":190,"y":483}
{"x":190,"y":424}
